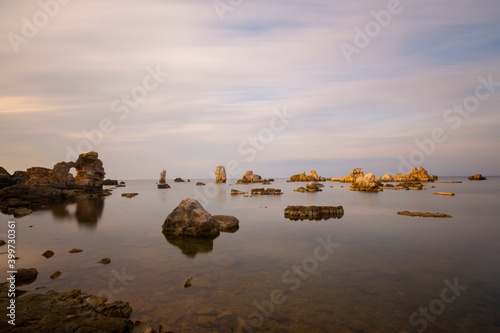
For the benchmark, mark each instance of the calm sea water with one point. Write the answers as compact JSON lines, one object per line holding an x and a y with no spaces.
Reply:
{"x":383,"y":269}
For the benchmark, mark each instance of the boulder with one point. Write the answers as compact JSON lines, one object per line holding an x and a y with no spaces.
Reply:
{"x":373,"y":178}
{"x":355,"y":174}
{"x":227,"y":222}
{"x":190,"y":219}
{"x":163,"y":177}
{"x":363,"y":184}
{"x":26,"y":275}
{"x":89,"y":171}
{"x":6,"y":179}
{"x":179,"y":180}
{"x":268,"y":191}
{"x":220,"y":174}
{"x":388,"y":178}
{"x":110,"y":182}
{"x":200,"y":184}
{"x":313,"y":186}
{"x":477,"y":177}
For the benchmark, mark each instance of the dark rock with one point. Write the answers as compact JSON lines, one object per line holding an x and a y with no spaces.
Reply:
{"x":163,"y":185}
{"x":110,"y":182}
{"x":6,"y":179}
{"x":122,"y":183}
{"x":313,"y":212}
{"x":129,"y":195}
{"x":26,"y":275}
{"x":189,"y":218}
{"x":48,"y":254}
{"x":200,"y":184}
{"x":477,"y":177}
{"x":105,"y":261}
{"x":75,"y":250}
{"x":56,"y":275}
{"x":268,"y":191}
{"x":179,"y":180}
{"x":236,"y":192}
{"x":2,"y":242}
{"x":187,"y":284}
{"x":20,"y":212}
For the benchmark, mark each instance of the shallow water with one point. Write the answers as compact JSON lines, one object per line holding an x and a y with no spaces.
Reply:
{"x":382,"y":269}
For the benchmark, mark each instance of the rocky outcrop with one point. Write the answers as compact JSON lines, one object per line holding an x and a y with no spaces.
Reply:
{"x":227,"y":222}
{"x":302,"y":177}
{"x":129,"y":195}
{"x":220,"y":174}
{"x":189,"y":218}
{"x":355,"y":174}
{"x":6,"y":179}
{"x":421,"y":175}
{"x":363,"y":184}
{"x":110,"y":182}
{"x":388,"y":178}
{"x":236,"y":192}
{"x":444,"y":193}
{"x":313,"y":212}
{"x":69,"y":312}
{"x":405,"y":186}
{"x":267,"y":191}
{"x":477,"y":177}
{"x":370,"y":176}
{"x":424,"y":214}
{"x":163,"y":177}
{"x":179,"y":180}
{"x":249,"y":177}
{"x":200,"y":184}
{"x":40,"y":186}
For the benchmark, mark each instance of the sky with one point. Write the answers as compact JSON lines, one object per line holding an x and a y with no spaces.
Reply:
{"x":277,"y":87}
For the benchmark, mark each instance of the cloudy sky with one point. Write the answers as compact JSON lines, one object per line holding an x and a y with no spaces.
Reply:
{"x":278,"y":87}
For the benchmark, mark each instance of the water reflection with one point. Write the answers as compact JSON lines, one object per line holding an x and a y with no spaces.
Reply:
{"x":87,"y":212}
{"x":191,"y":246}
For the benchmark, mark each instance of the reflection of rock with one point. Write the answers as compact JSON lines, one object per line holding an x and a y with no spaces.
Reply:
{"x":191,"y":246}
{"x":88,"y":212}
{"x":477,"y":177}
{"x":163,"y":185}
{"x":220,"y":174}
{"x":189,"y":218}
{"x":363,"y":184}
{"x":313,"y":212}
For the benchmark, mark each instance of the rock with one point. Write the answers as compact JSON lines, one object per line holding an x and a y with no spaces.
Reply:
{"x":227,"y":222}
{"x":179,"y":180}
{"x":163,"y":186}
{"x":121,"y":185}
{"x":249,"y":177}
{"x":22,"y":212}
{"x":110,"y":182}
{"x":236,"y":192}
{"x":26,"y":275}
{"x":426,"y":214}
{"x":200,"y":184}
{"x":268,"y":191}
{"x":220,"y":174}
{"x":313,"y":212}
{"x":266,"y":182}
{"x":189,"y":218}
{"x":449,"y":182}
{"x":432,"y":186}
{"x":422,"y":175}
{"x":363,"y":184}
{"x":301,"y":177}
{"x":370,"y":176}
{"x":388,"y":178}
{"x":355,"y":174}
{"x":67,"y":312}
{"x":477,"y":177}
{"x":2,"y":242}
{"x":301,"y":189}
{"x":444,"y":193}
{"x":163,"y":177}
{"x":187,"y":284}
{"x":6,"y":179}
{"x":104,"y":261}
{"x":75,"y":250}
{"x":89,"y":170}
{"x":313,"y":186}
{"x":129,"y":195}
{"x":256,"y":179}
{"x":48,"y":254}
{"x":56,"y":275}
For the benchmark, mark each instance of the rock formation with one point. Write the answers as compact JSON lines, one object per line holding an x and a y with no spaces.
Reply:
{"x":415,"y":175}
{"x":162,"y":182}
{"x":477,"y":177}
{"x":220,"y":174}
{"x":189,"y":218}
{"x":363,"y":184}
{"x":267,"y":191}
{"x":313,"y":212}
{"x":421,"y":175}
{"x":110,"y":182}
{"x":302,"y":177}
{"x":6,"y":179}
{"x":179,"y":180}
{"x":39,"y":186}
{"x":236,"y":192}
{"x":249,"y":177}
{"x":355,"y":174}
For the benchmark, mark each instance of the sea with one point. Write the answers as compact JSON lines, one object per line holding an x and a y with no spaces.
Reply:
{"x":370,"y":270}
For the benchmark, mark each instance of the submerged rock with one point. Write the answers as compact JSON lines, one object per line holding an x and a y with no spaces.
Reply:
{"x":129,"y":195}
{"x":163,"y":185}
{"x":56,"y":275}
{"x":477,"y":177}
{"x":422,"y":214}
{"x":189,"y":218}
{"x":444,"y":193}
{"x":48,"y":254}
{"x":200,"y":184}
{"x":220,"y":174}
{"x":75,"y":251}
{"x":20,"y":212}
{"x":313,"y":212}
{"x":227,"y":222}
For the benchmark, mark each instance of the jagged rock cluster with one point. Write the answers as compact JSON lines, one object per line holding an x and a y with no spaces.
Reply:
{"x":415,"y":175}
{"x":38,"y":186}
{"x":311,"y":187}
{"x":477,"y":177}
{"x":313,"y":212}
{"x":249,"y":177}
{"x":302,"y":177}
{"x":267,"y":191}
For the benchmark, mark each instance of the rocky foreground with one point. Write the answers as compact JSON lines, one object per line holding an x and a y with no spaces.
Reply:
{"x":72,"y":311}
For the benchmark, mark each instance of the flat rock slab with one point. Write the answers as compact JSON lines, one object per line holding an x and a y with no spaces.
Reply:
{"x":268,"y":191}
{"x":129,"y":195}
{"x":313,"y":212}
{"x":422,"y":214}
{"x":444,"y":193}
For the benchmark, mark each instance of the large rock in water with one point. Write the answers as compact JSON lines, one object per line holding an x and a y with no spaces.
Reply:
{"x":363,"y":184}
{"x":422,"y":175}
{"x":302,"y":177}
{"x":190,"y":219}
{"x":163,"y":177}
{"x":355,"y":174}
{"x":220,"y":174}
{"x":6,"y":179}
{"x":477,"y":177}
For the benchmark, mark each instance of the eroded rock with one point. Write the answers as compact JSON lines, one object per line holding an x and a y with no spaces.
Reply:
{"x":477,"y":177}
{"x":220,"y":174}
{"x":189,"y":218}
{"x":313,"y":212}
